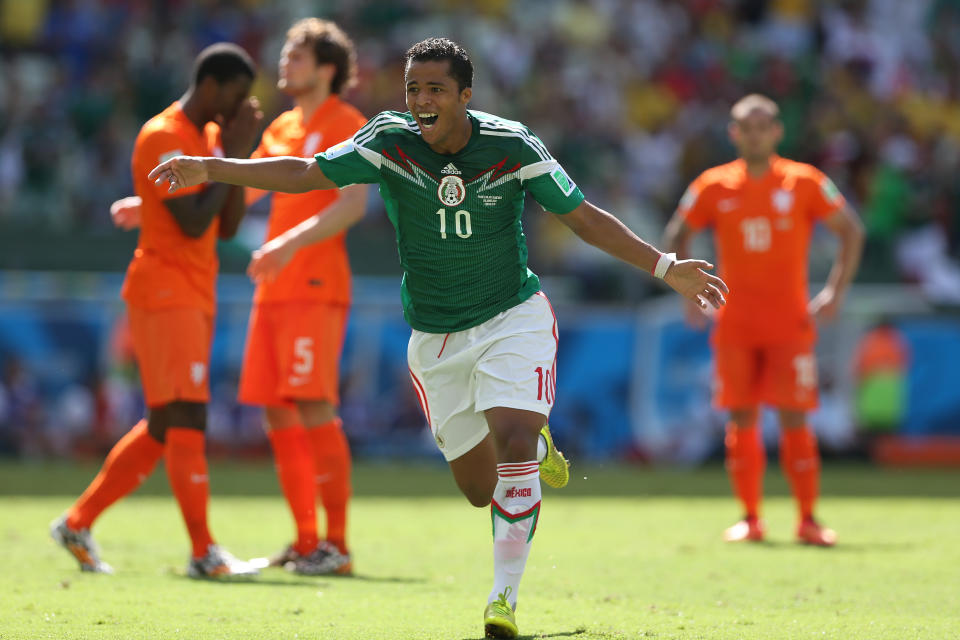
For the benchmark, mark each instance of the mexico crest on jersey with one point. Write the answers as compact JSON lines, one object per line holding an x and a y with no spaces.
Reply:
{"x":451,"y":191}
{"x":782,"y":201}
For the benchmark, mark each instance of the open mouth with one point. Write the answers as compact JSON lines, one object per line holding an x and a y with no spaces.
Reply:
{"x":427,"y":120}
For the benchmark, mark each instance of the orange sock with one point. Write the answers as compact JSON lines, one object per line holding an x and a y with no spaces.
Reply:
{"x":127,"y":465}
{"x":746,"y":462}
{"x":187,"y":472}
{"x":800,"y":460}
{"x":331,"y":458}
{"x":291,"y":453}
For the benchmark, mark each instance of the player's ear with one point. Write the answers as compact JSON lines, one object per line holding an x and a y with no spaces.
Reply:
{"x":733,"y":131}
{"x":465,"y":95}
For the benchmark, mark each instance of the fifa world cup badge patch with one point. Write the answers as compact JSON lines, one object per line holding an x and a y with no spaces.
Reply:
{"x":782,"y":201}
{"x":451,"y":191}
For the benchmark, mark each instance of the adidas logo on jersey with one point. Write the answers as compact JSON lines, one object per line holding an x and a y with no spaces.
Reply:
{"x":450,"y":170}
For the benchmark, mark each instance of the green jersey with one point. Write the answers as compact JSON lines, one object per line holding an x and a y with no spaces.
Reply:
{"x":456,"y":216}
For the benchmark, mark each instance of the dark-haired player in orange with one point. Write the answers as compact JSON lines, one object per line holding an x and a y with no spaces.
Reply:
{"x":763,"y":209}
{"x":169,"y":291}
{"x":298,"y":322}
{"x":299,"y":316}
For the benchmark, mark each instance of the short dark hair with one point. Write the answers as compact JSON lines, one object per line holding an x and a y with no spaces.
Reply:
{"x":330,"y":45}
{"x":224,"y":61}
{"x":461,"y":69}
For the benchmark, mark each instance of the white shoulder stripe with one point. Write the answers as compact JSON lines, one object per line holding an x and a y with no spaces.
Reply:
{"x":531,"y":140}
{"x":372,"y":157}
{"x":371,"y":124}
{"x":514,"y":134}
{"x":538,"y":169}
{"x":390,"y":122}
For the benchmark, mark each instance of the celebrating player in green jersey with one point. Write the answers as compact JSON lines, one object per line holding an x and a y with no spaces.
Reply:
{"x":482,"y":355}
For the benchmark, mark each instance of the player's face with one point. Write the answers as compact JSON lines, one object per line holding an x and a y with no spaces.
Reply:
{"x":299,"y":72}
{"x":435,"y":100}
{"x":756,"y":136}
{"x":230,"y":94}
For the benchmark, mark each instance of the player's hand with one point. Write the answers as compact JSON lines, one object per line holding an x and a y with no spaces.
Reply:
{"x":125,"y":212}
{"x":240,"y":132}
{"x":180,"y":172}
{"x":269,"y":260}
{"x":690,"y":279}
{"x":825,"y":305}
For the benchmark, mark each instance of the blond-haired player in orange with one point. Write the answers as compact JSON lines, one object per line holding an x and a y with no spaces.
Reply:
{"x":169,"y":291}
{"x":762,"y":209}
{"x":299,"y":316}
{"x":298,"y":321}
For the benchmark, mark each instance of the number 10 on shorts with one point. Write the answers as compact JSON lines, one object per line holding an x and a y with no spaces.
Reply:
{"x":546,"y":384}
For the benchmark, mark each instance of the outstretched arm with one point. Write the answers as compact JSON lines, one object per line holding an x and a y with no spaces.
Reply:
{"x":286,"y":173}
{"x":687,"y":277}
{"x":677,"y":240}
{"x":847,"y":227}
{"x":275,"y":254}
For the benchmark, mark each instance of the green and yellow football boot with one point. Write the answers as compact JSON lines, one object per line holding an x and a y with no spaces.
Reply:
{"x":554,"y":469}
{"x":499,"y":620}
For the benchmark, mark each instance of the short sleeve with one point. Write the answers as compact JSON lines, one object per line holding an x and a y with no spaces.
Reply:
{"x":544,"y":179}
{"x":826,"y":198}
{"x":694,"y":208}
{"x":349,"y":162}
{"x":154,"y":148}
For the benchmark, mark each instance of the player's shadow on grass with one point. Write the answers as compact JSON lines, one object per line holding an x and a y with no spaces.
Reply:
{"x":558,"y":634}
{"x":385,"y":579}
{"x":841,"y":547}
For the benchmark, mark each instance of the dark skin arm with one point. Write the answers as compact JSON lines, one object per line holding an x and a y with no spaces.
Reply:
{"x":232,"y":213}
{"x":195,"y":212}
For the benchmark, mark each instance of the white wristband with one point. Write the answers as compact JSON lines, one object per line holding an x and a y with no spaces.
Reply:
{"x":664,"y":263}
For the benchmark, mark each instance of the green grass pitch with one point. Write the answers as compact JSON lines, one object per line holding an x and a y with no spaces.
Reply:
{"x":621,"y":553}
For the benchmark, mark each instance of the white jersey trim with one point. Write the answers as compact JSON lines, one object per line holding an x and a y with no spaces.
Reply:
{"x":372,"y":157}
{"x":489,"y":129}
{"x":538,"y":169}
{"x":382,"y":123}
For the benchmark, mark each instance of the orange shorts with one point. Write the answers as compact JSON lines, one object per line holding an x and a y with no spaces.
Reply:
{"x":172,"y":347}
{"x":293,"y":353}
{"x":783,"y":376}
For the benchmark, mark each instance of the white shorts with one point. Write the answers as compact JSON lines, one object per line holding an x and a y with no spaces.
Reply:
{"x":508,"y":361}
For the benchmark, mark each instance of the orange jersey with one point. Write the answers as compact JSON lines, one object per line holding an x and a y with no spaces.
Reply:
{"x":169,"y":268}
{"x":762,"y":231}
{"x":320,"y":272}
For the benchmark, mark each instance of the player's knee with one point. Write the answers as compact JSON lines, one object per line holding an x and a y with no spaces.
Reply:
{"x":743,"y":418}
{"x":280,"y":418}
{"x":792,"y":419}
{"x":316,"y":412}
{"x":187,"y":415}
{"x":157,"y":425}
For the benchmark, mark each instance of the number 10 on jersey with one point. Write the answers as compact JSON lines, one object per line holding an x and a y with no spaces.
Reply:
{"x":461,"y":223}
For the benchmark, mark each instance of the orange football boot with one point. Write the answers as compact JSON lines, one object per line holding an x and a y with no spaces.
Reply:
{"x":750,"y":529}
{"x":809,"y":531}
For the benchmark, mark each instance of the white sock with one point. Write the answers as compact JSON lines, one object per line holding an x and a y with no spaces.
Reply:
{"x":541,"y":448}
{"x":514,"y":511}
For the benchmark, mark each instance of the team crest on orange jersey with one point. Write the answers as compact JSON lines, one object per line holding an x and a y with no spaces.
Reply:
{"x":451,"y":191}
{"x":782,"y":201}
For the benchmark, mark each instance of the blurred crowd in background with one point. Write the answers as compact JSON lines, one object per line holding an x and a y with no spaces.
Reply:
{"x":632,"y":96}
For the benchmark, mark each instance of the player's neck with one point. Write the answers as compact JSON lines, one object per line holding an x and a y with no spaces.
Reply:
{"x":758,"y":168}
{"x":192,"y":110}
{"x":456,"y":140}
{"x":309,"y":102}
